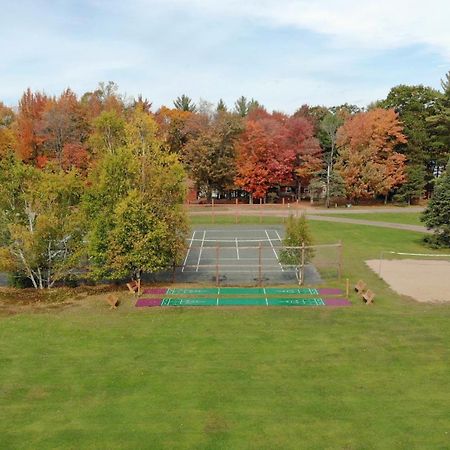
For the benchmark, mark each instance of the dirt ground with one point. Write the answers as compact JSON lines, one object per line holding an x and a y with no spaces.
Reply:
{"x":423,"y":280}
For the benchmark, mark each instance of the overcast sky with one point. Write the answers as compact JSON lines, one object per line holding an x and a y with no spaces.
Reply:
{"x":283,"y":53}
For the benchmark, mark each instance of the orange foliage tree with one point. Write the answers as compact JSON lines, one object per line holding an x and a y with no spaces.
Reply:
{"x":367,"y":160}
{"x":31,"y":109}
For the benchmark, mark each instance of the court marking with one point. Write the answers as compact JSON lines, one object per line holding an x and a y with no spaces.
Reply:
{"x":189,"y":250}
{"x":274,"y":251}
{"x":251,"y":301}
{"x":201,"y":249}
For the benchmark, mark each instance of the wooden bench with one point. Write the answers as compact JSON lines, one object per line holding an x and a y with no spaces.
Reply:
{"x":360,"y":286}
{"x":368,"y":297}
{"x":113,"y":301}
{"x":134,"y":286}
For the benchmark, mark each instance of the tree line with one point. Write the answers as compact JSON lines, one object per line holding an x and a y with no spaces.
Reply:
{"x":96,"y":182}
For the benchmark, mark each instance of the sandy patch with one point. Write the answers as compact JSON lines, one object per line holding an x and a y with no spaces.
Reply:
{"x":423,"y":280}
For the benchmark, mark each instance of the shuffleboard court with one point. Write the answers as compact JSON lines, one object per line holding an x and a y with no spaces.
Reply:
{"x":220,"y":291}
{"x":252,"y":301}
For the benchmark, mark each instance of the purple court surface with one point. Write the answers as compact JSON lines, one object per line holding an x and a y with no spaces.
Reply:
{"x":148,"y":302}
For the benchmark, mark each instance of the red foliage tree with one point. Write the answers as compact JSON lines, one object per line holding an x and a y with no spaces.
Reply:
{"x":263,"y":159}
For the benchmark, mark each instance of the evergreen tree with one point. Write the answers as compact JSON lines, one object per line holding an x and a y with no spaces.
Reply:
{"x":412,"y":190}
{"x":185,"y":103}
{"x":221,"y":107}
{"x":437,"y":214}
{"x":241,"y":106}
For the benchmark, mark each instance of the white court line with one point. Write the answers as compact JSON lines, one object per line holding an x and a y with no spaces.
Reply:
{"x":281,"y":241}
{"x":274,"y":251}
{"x":236,"y":230}
{"x":201,"y":250}
{"x":189,"y":250}
{"x":265,"y":294}
{"x":237,"y":249}
{"x":279,"y":237}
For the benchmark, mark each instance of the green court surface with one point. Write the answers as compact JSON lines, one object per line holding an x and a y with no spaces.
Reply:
{"x":261,"y":301}
{"x":243,"y":291}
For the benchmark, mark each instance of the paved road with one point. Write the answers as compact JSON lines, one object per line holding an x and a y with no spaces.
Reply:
{"x":315,"y":214}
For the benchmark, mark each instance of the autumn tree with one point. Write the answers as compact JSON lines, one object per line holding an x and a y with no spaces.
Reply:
{"x":7,"y":138}
{"x":29,"y":119}
{"x":63,"y":128}
{"x":368,"y":160}
{"x":299,"y":138}
{"x":211,"y":157}
{"x":262,"y":160}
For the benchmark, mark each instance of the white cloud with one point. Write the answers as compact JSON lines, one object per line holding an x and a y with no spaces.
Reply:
{"x":381,"y":24}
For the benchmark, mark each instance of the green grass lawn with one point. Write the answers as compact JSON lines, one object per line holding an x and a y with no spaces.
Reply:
{"x":240,"y":378}
{"x":393,"y":217}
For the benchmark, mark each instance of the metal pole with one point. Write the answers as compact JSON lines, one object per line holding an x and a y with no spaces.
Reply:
{"x":259,"y":266}
{"x":347,"y":288}
{"x":379,"y":268}
{"x":212,"y":210}
{"x":217,"y":266}
{"x":260,"y":210}
{"x":341,"y":259}
{"x":302,"y":272}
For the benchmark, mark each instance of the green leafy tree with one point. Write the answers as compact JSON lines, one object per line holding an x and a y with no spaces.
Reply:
{"x":133,"y":207}
{"x":40,"y":228}
{"x":418,"y":108}
{"x":439,"y":124}
{"x":414,"y":187}
{"x":108,"y":134}
{"x":329,"y":126}
{"x":297,"y":236}
{"x":437,"y":214}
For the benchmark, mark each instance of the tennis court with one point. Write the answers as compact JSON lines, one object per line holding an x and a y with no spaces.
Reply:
{"x":239,"y":255}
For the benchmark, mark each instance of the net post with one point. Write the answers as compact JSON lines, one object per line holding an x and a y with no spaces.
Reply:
{"x":217,"y":266}
{"x":379,"y":267}
{"x":173,"y":271}
{"x":259,"y":265}
{"x":302,"y":266}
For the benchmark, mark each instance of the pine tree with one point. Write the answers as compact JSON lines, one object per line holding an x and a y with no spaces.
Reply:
{"x":437,"y":214}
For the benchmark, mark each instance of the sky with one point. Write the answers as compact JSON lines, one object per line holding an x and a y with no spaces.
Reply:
{"x":284,"y":53}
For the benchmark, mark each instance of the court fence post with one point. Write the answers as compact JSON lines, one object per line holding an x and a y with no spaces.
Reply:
{"x":212,"y":210}
{"x":217,"y":266}
{"x":260,"y":210}
{"x":259,"y":265}
{"x":302,"y":266}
